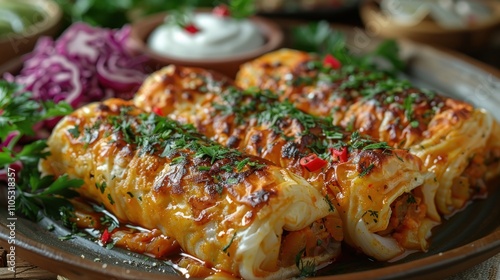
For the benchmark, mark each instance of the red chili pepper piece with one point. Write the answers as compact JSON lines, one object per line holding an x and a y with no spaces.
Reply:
{"x":332,"y":62}
{"x":312,"y":162}
{"x":105,"y":237}
{"x":158,"y":111}
{"x":191,"y":28}
{"x":221,"y":11}
{"x":342,"y":154}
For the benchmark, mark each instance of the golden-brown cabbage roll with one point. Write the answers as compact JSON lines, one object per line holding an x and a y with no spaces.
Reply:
{"x":384,"y":198}
{"x":228,"y":209}
{"x":457,"y":142}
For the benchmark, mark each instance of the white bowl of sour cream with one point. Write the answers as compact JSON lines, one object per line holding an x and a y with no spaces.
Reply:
{"x":217,"y":43}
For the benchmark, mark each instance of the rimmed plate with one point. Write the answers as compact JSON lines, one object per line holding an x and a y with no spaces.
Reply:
{"x":464,"y":240}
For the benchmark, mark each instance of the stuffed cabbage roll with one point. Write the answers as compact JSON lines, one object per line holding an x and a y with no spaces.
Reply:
{"x":228,"y":209}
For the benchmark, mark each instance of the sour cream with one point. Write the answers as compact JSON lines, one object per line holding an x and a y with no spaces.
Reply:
{"x":218,"y":37}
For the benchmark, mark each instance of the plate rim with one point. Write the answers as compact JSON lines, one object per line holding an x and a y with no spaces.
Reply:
{"x":469,"y":254}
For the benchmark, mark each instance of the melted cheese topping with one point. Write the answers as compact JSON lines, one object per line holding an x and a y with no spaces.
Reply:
{"x":225,"y":229}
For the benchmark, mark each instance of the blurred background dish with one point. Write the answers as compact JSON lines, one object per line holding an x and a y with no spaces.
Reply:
{"x":142,"y":30}
{"x":22,"y":22}
{"x":460,"y":25}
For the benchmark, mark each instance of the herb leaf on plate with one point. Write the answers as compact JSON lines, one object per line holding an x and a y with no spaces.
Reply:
{"x":321,"y":38}
{"x":19,"y":114}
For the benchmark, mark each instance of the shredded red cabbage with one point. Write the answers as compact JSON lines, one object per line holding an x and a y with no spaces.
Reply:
{"x":84,"y":64}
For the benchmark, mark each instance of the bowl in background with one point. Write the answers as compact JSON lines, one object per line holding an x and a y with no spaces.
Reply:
{"x":429,"y":32}
{"x":142,"y":28}
{"x":45,"y":17}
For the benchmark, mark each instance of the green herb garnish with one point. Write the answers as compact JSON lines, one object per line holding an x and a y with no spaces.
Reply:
{"x":366,"y":170}
{"x":75,"y":131}
{"x":110,"y":198}
{"x":225,"y":248}
{"x":242,"y":8}
{"x":321,"y":38}
{"x":101,"y":186}
{"x":330,"y":204}
{"x":379,"y":145}
{"x":307,"y":268}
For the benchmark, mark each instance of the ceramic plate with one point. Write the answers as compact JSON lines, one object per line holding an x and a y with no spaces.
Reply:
{"x":464,"y":240}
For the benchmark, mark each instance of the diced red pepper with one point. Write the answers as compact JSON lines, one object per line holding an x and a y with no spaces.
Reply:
{"x":105,"y":237}
{"x":332,"y":62}
{"x":221,"y":11}
{"x":191,"y":28}
{"x":312,"y":162}
{"x":341,"y":154}
{"x":158,"y":111}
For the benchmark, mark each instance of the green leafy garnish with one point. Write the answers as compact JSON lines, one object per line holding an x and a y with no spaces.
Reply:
{"x":330,"y":204}
{"x":321,"y":38}
{"x":71,"y":236}
{"x":225,"y":248}
{"x":366,"y":170}
{"x":102,"y":186}
{"x":109,"y":222}
{"x":380,"y":145}
{"x":372,"y":213}
{"x":241,"y":164}
{"x":75,"y":132}
{"x":35,"y":193}
{"x":242,"y":8}
{"x":214,"y":152}
{"x":204,"y":168}
{"x":306,"y":268}
{"x":178,"y":160}
{"x":50,"y":197}
{"x":19,"y":112}
{"x":110,"y":198}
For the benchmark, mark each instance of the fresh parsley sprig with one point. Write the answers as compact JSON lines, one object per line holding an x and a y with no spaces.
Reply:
{"x":45,"y":194}
{"x":19,"y":113}
{"x":321,"y":38}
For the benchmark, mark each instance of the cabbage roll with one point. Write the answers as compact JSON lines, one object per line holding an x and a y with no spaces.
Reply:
{"x":228,"y":209}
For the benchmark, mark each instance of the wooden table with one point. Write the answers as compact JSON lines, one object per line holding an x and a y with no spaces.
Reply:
{"x":24,"y":270}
